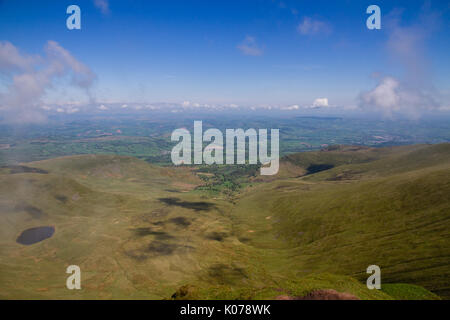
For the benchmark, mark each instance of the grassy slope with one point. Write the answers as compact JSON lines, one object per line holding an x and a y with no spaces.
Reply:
{"x":112,"y":220}
{"x":387,"y":161}
{"x":104,"y":212}
{"x":396,"y":215}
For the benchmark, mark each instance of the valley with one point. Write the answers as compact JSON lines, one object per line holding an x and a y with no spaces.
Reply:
{"x":141,"y":231}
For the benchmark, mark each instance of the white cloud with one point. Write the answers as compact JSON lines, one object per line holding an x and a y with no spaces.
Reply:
{"x":413,"y":93}
{"x":62,"y":59}
{"x":384,"y":96}
{"x":103,"y":107}
{"x":310,"y":26}
{"x":31,"y":77}
{"x":292,"y":107}
{"x":72,"y":110}
{"x":10,"y":58}
{"x":124,"y":106}
{"x":66,"y":109}
{"x":390,"y":97}
{"x":103,"y":5}
{"x":249,"y":47}
{"x":320,"y":102}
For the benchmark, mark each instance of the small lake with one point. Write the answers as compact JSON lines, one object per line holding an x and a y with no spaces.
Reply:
{"x":35,"y":235}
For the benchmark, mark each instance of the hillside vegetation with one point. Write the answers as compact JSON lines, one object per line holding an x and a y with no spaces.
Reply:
{"x":148,"y":232}
{"x":391,"y":208}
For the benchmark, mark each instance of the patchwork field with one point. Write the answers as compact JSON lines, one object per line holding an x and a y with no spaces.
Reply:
{"x":140,"y":231}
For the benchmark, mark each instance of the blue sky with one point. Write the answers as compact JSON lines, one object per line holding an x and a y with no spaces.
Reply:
{"x":240,"y":52}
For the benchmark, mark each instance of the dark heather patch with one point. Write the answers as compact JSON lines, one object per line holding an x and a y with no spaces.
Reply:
{"x":34,"y":212}
{"x":61,"y":198}
{"x":156,"y":249}
{"x":173,"y":190}
{"x":159,"y":235}
{"x":13,"y":169}
{"x":161,"y":248}
{"x":314,"y":168}
{"x":223,"y":274}
{"x":217,"y":236}
{"x":35,"y":235}
{"x":328,"y":294}
{"x":194,"y":205}
{"x":180,"y":221}
{"x":142,"y":232}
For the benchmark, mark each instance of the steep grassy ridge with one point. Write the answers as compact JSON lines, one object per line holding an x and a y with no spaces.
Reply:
{"x":397,"y":216}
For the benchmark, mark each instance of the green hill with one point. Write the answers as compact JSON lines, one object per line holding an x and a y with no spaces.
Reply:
{"x":146,"y":232}
{"x":396,"y":215}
